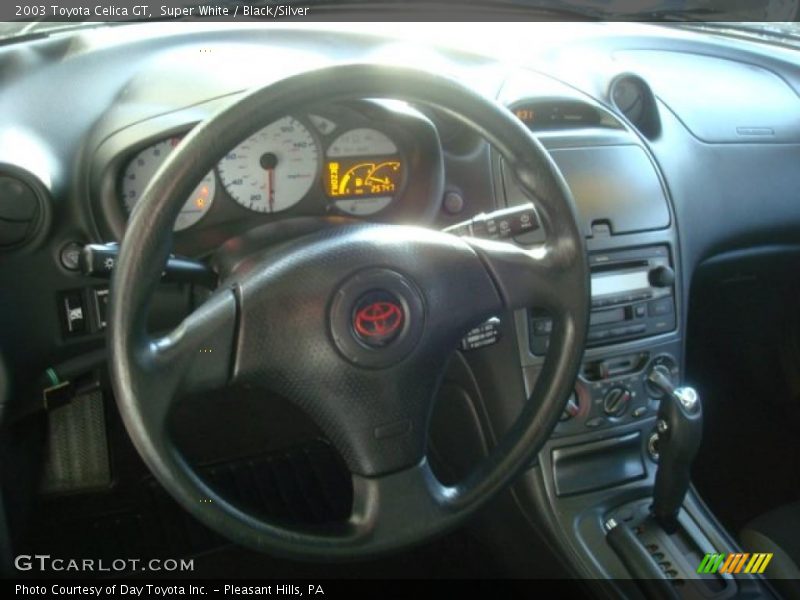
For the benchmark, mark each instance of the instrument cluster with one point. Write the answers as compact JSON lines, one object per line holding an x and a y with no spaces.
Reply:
{"x":357,"y":169}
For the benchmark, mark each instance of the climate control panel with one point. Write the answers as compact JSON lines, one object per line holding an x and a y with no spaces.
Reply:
{"x":615,"y":390}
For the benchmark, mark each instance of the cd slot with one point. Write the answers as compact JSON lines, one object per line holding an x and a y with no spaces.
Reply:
{"x":620,"y":266}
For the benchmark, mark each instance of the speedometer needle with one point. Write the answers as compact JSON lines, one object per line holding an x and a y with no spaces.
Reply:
{"x":268,"y":162}
{"x":271,"y":189}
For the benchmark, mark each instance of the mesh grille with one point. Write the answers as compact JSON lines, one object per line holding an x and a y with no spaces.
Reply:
{"x":78,"y":450}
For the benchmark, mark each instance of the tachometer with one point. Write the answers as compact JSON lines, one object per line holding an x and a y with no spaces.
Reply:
{"x":273,"y":169}
{"x":144,"y":165}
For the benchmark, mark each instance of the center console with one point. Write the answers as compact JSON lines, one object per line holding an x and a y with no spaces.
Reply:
{"x":633,"y":297}
{"x":592,"y":487}
{"x":606,"y":438}
{"x":594,"y":484}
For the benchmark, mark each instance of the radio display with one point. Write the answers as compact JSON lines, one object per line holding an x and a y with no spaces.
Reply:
{"x":615,"y":283}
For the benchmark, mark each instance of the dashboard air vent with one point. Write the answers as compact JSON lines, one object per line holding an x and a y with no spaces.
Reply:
{"x":21,"y":210}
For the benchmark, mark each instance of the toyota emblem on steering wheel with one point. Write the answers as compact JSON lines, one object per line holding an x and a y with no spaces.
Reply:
{"x":378,"y":319}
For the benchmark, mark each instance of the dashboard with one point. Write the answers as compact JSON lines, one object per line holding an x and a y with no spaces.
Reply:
{"x":651,"y":163}
{"x":668,"y":168}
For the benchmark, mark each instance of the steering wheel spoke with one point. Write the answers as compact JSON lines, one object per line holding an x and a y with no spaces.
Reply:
{"x":196,"y":356}
{"x":382,"y":507}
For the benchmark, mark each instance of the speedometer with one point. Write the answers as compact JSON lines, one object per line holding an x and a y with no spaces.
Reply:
{"x":144,"y":165}
{"x":273,"y":169}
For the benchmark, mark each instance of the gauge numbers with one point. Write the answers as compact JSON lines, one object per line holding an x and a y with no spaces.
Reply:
{"x":362,"y":142}
{"x":144,"y":165}
{"x":273,"y":169}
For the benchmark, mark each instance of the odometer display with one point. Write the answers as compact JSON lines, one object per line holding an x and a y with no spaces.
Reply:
{"x":363,"y":171}
{"x":362,"y":187}
{"x":359,"y":178}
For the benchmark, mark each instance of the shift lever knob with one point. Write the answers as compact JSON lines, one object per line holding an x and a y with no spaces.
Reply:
{"x":679,"y":425}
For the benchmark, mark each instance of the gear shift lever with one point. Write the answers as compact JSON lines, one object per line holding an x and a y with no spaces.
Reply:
{"x":679,"y":425}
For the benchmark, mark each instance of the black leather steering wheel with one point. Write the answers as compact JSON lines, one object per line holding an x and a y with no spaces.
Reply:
{"x":286,"y":323}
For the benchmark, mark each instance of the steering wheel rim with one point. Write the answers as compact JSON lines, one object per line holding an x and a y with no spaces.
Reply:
{"x":397,"y":499}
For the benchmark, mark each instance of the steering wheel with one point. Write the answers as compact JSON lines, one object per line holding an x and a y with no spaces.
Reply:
{"x":297,"y":321}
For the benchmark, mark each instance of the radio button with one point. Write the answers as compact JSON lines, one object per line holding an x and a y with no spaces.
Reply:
{"x":661,"y":326}
{"x":598,"y":334}
{"x":636,"y":329}
{"x":640,"y":311}
{"x":661,"y":307}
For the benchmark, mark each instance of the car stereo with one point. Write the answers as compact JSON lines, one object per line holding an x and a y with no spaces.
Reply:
{"x":633,"y":296}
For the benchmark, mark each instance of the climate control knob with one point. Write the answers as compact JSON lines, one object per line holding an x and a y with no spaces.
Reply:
{"x":663,"y":365}
{"x":616,"y":401}
{"x":572,"y":408}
